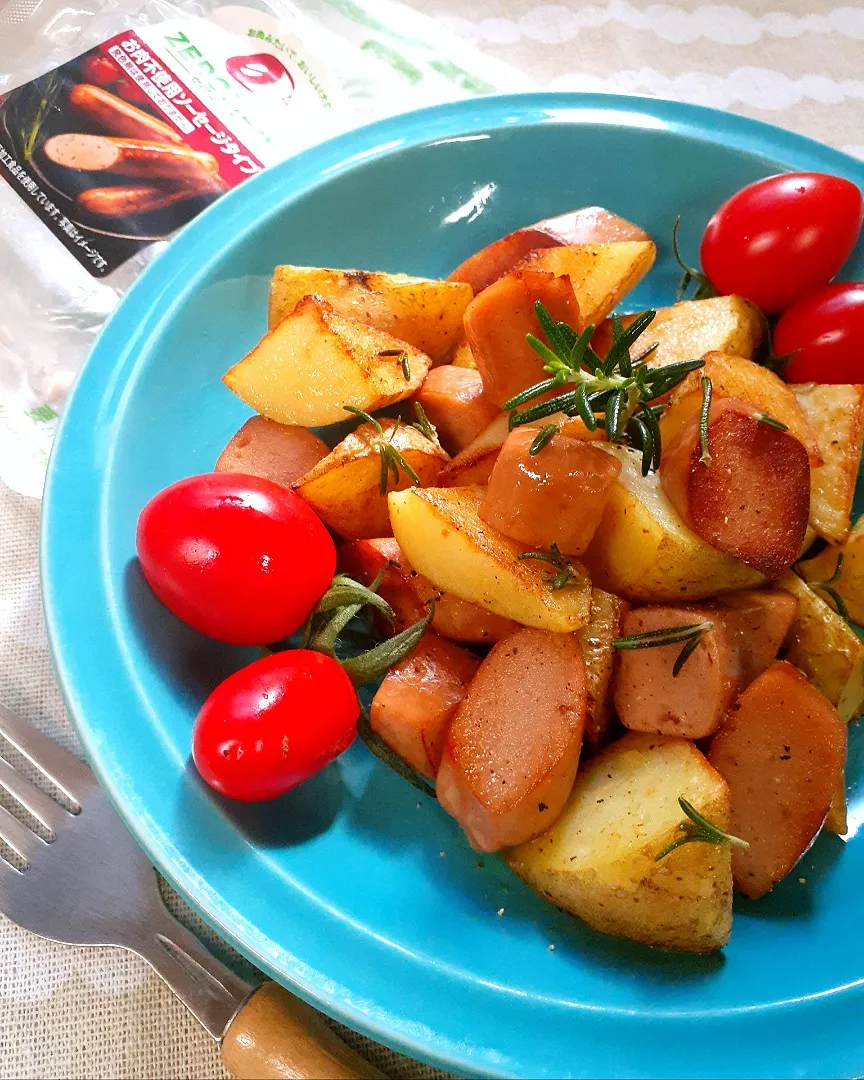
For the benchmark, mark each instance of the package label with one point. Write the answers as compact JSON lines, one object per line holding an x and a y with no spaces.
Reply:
{"x":127,"y":142}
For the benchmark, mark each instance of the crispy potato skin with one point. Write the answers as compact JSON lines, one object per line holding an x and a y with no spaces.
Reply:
{"x":512,"y":750}
{"x":499,"y":319}
{"x":644,"y":552}
{"x":595,"y":640}
{"x":601,"y":274}
{"x":722,"y":324}
{"x":752,"y":500}
{"x":444,"y":538}
{"x":344,"y":488}
{"x":316,"y":361}
{"x":781,"y":750}
{"x":409,"y":594}
{"x":531,"y":497}
{"x":836,"y":416}
{"x":850,"y":583}
{"x":415,"y":703}
{"x":425,"y":313}
{"x":272,"y":451}
{"x":455,"y":403}
{"x":598,"y":859}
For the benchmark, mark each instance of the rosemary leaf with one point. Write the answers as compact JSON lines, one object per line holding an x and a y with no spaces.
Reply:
{"x":704,"y":413}
{"x":364,"y":416}
{"x":546,"y":433}
{"x":424,"y":425}
{"x":406,"y":367}
{"x":769,"y":421}
{"x":698,"y":829}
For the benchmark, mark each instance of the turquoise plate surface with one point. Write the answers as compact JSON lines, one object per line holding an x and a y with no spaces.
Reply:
{"x":355,"y":891}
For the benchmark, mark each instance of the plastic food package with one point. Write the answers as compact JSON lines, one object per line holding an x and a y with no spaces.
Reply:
{"x":117,"y":128}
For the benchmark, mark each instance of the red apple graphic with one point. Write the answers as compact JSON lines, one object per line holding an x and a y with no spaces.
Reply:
{"x":261,"y":70}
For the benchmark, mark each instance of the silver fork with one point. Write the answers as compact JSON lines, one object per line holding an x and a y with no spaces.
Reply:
{"x":90,"y":884}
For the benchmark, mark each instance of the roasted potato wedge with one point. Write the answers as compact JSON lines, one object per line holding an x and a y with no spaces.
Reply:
{"x":444,"y":538}
{"x":415,"y":703}
{"x":601,"y":274}
{"x":849,"y":584}
{"x":740,"y":378}
{"x":643,"y":551}
{"x":344,"y":489}
{"x":588,"y":225}
{"x":781,"y":751}
{"x":595,"y":638}
{"x":751,"y":497}
{"x":826,"y":649}
{"x":512,"y":750}
{"x":409,"y":594}
{"x":724,"y":324}
{"x":425,"y":313}
{"x":598,"y":859}
{"x":836,"y":415}
{"x":273,"y":451}
{"x":316,"y":361}
{"x":463,"y":357}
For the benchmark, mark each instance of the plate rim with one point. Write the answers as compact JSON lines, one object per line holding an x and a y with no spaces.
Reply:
{"x":312,"y":168}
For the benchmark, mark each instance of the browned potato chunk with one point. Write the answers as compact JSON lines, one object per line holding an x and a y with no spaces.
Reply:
{"x":273,"y":451}
{"x":782,"y":752}
{"x":850,"y":581}
{"x":344,"y":489}
{"x":425,"y":313}
{"x":601,"y":274}
{"x":595,"y":639}
{"x":836,"y":415}
{"x":598,"y":859}
{"x":724,"y":324}
{"x":316,"y":361}
{"x":513,"y":748}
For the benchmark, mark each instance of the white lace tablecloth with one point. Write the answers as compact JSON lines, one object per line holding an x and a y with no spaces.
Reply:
{"x":70,"y":1013}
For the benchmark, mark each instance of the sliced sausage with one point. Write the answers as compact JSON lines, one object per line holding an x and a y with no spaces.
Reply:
{"x":130,"y":157}
{"x":455,"y":403}
{"x":273,"y":451}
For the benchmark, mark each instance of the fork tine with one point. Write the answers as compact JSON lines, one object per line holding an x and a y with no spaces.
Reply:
{"x":64,"y":769}
{"x":39,"y":804}
{"x":19,"y":837}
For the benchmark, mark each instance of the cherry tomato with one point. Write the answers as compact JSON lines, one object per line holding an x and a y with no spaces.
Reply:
{"x":132,"y":92}
{"x":99,"y":70}
{"x":239,"y":558}
{"x":825,"y":331}
{"x":780,"y":238}
{"x":275,"y":723}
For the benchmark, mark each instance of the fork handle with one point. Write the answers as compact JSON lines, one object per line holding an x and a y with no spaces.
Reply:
{"x":275,"y":1036}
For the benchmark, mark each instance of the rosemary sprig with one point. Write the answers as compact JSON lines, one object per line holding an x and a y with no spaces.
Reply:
{"x":769,"y":421}
{"x":690,"y":635}
{"x":698,"y":830}
{"x":424,"y":425}
{"x":391,"y":459}
{"x":545,"y":435}
{"x":50,"y":87}
{"x":565,"y":575}
{"x":617,"y":388}
{"x":827,"y":588}
{"x":704,"y":415}
{"x":403,"y":360}
{"x":704,"y":289}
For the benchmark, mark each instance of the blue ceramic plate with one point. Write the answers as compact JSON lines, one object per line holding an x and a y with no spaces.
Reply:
{"x":354,"y":890}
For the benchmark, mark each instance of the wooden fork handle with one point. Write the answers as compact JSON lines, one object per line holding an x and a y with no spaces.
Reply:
{"x":275,"y":1036}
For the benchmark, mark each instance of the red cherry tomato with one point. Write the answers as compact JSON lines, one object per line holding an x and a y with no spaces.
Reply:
{"x":240,"y":558}
{"x":780,"y":238}
{"x":99,"y":70}
{"x":275,"y":723}
{"x":825,"y":331}
{"x":131,"y":92}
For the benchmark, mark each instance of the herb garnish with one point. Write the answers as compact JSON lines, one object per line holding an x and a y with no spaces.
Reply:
{"x":704,"y":289}
{"x":704,"y":416}
{"x":565,"y":575}
{"x":769,"y":421}
{"x":690,"y":635}
{"x":827,"y":588}
{"x":618,"y":388}
{"x":424,"y":425}
{"x":546,"y":433}
{"x":698,"y":829}
{"x":391,"y":459}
